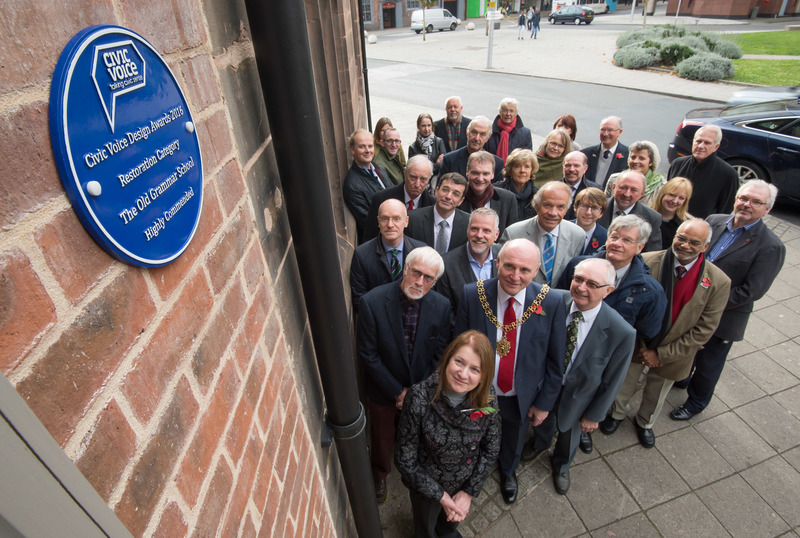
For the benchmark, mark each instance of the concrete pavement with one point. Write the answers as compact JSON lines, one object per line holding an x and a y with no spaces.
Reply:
{"x":733,"y":470}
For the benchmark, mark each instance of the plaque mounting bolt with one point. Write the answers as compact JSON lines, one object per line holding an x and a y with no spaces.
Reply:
{"x":189,"y":126}
{"x":94,"y":188}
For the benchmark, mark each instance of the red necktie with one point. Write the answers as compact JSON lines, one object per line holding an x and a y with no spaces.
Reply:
{"x":505,"y":373}
{"x":410,"y":205}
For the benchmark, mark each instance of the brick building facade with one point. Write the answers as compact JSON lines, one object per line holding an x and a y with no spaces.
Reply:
{"x":187,"y":395}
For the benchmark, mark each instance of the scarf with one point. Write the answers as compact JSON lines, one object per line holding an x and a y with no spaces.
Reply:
{"x":677,"y":294}
{"x":476,"y":201}
{"x":524,"y":197}
{"x":653,"y":183}
{"x":426,"y":143}
{"x":549,"y":169}
{"x":505,"y":130}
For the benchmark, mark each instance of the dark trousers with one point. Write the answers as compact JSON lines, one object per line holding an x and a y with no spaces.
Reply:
{"x":566,"y":448}
{"x":430,"y":520}
{"x":708,"y":365}
{"x":512,"y":436}
{"x":382,"y":421}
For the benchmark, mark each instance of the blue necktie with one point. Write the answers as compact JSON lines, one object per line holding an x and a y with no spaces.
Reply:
{"x":549,"y":256}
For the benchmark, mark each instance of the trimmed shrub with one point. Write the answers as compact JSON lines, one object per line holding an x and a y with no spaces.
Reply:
{"x":728,"y":49}
{"x":640,"y":35}
{"x":673,"y":53}
{"x":695,"y":42}
{"x":705,"y":66}
{"x":650,"y":44}
{"x":634,"y":57}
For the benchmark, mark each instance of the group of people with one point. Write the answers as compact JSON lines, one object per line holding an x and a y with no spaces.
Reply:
{"x":488,"y":295}
{"x":531,"y":20}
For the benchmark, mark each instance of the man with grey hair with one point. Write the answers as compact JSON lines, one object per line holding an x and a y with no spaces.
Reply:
{"x":403,"y":328}
{"x":637,"y":296}
{"x":628,"y":191}
{"x":478,"y":133}
{"x":697,"y":292}
{"x":714,"y":181}
{"x":610,"y":155}
{"x":599,"y":346}
{"x":752,"y":256}
{"x":453,"y":127}
{"x":558,"y":240}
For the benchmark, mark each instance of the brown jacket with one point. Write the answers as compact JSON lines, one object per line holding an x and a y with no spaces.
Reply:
{"x":696,"y":322}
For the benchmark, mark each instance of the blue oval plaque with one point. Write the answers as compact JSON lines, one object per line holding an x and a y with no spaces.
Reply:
{"x":125,"y":146}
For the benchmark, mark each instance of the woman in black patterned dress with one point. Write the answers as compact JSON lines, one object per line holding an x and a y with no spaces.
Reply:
{"x":448,"y":438}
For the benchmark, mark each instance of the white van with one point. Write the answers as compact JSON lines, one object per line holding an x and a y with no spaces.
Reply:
{"x":435,"y":19}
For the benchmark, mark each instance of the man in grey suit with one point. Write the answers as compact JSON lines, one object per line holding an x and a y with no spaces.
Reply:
{"x":473,"y":261}
{"x":628,"y":190}
{"x":558,"y":240}
{"x":752,"y":256}
{"x":599,"y":346}
{"x":442,"y":226}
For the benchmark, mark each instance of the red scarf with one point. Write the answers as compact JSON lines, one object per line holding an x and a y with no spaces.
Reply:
{"x":502,"y":147}
{"x":684,"y":289}
{"x":479,"y":201}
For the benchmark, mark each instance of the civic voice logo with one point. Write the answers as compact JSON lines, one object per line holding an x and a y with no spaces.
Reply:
{"x":117,"y":69}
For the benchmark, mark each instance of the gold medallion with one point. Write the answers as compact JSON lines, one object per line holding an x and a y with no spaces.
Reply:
{"x":503,"y":347}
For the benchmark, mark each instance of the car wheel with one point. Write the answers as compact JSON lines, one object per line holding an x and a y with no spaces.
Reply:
{"x":748,"y":170}
{"x":453,"y":27}
{"x":577,"y":21}
{"x":418,"y":31}
{"x":552,"y":20}
{"x":429,"y":29}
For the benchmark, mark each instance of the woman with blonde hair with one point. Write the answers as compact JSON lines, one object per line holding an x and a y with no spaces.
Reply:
{"x":551,"y":155}
{"x":449,"y":436}
{"x":519,"y":172}
{"x":643,"y":157}
{"x":673,"y":204}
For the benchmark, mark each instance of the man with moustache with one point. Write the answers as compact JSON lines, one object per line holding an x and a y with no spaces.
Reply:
{"x":628,"y":190}
{"x":453,"y":127}
{"x":473,"y":261}
{"x":527,"y":327}
{"x":574,"y":167}
{"x":610,"y":155}
{"x":442,"y":226}
{"x":363,"y":180}
{"x":481,"y":193}
{"x":403,"y":328}
{"x":697,"y":292}
{"x":478,"y":132}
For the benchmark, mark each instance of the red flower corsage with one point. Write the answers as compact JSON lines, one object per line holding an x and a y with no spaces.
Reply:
{"x":595,"y":243}
{"x":538,"y":310}
{"x":619,"y":156}
{"x":475,"y":414}
{"x":706,"y":282}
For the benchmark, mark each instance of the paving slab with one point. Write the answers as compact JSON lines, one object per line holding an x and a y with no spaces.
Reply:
{"x":693,"y":457}
{"x":658,"y":485}
{"x":503,"y":528}
{"x":686,"y":516}
{"x":778,"y":483}
{"x":779,"y":315}
{"x":740,"y":509}
{"x":786,"y":354}
{"x":762,"y":334}
{"x":771,"y":421}
{"x":544,"y":513}
{"x":735,"y":441}
{"x":597,"y":496}
{"x":734,"y":388}
{"x":790,"y":400}
{"x":759,"y":369}
{"x":636,"y":525}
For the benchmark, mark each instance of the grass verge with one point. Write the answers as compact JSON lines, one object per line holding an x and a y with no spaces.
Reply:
{"x":783,"y":42}
{"x":767,"y":72}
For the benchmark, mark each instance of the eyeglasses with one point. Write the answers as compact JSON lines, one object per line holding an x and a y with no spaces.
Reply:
{"x":395,"y":220}
{"x":752,"y":202}
{"x":616,"y":237}
{"x":392,"y":141}
{"x":589,"y":284}
{"x":683,"y":239}
{"x":556,"y":145}
{"x":416,"y":274}
{"x":609,"y":130}
{"x":593,"y":209}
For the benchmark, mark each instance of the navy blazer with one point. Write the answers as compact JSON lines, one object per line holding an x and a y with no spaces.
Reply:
{"x":618,"y":163}
{"x":582,"y":184}
{"x":382,"y":347}
{"x":370,"y":266}
{"x":599,"y":236}
{"x":420,"y":227}
{"x":440,"y":130}
{"x":639,"y":209}
{"x":751,"y":262}
{"x":542,"y":342}
{"x":398,"y":193}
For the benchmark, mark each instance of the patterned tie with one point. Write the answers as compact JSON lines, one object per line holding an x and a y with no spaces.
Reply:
{"x":572,"y":337}
{"x":505,"y":372}
{"x":410,"y":205}
{"x":680,"y":271}
{"x":618,"y":213}
{"x":441,"y":238}
{"x":394,"y":265}
{"x":549,"y":256}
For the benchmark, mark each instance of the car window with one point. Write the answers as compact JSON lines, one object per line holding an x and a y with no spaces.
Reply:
{"x":794,"y":130}
{"x":770,"y":125}
{"x":447,"y":13}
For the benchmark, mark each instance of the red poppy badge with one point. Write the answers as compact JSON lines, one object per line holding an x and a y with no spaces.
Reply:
{"x":619,"y":156}
{"x":595,"y":243}
{"x":706,"y":282}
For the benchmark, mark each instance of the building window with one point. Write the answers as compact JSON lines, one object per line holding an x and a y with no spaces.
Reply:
{"x":367,"y":6}
{"x":412,"y":4}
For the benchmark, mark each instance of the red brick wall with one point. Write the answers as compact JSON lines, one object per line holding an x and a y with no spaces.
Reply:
{"x":186,"y":395}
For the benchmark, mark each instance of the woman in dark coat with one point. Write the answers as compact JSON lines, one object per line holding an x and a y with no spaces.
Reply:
{"x":427,"y":143}
{"x":519,"y":172}
{"x":449,"y":436}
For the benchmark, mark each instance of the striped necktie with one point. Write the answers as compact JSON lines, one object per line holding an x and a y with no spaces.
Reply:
{"x":394,"y":265}
{"x":549,"y":256}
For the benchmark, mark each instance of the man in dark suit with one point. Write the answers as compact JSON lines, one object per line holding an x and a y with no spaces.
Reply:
{"x":752,"y":256}
{"x":412,"y":192}
{"x":599,"y":347}
{"x":526,"y":325}
{"x":574,"y":167}
{"x":610,"y":155}
{"x":627,"y":192}
{"x":363,"y":180}
{"x":478,"y":133}
{"x":453,"y":127}
{"x":481,"y":192}
{"x":697,"y":292}
{"x":473,"y":261}
{"x":380,"y":260}
{"x":403,"y":328}
{"x":442,"y":226}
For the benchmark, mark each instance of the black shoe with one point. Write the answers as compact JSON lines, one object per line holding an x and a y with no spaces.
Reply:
{"x":585,"y":443}
{"x":681,"y":384}
{"x":681,"y":413}
{"x":561,"y":482}
{"x":508,"y":487}
{"x":646,"y":436}
{"x":609,"y":425}
{"x":380,"y":491}
{"x":529,"y":453}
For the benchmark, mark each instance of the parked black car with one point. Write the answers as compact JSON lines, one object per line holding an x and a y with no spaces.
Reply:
{"x":574,"y":14}
{"x":761,"y":141}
